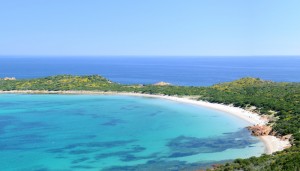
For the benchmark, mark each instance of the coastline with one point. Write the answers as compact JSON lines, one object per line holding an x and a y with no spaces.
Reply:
{"x":272,"y":143}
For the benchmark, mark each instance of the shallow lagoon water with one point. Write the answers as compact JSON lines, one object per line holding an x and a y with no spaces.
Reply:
{"x":110,"y":132}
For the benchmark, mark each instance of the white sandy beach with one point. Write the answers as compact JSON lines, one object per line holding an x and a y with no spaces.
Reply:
{"x":272,"y":143}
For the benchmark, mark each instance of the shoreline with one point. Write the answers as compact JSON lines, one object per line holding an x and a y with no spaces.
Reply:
{"x":272,"y":143}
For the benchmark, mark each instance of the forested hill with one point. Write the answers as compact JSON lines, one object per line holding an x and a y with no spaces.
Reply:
{"x":59,"y":82}
{"x":278,"y":100}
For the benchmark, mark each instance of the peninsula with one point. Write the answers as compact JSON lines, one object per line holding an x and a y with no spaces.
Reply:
{"x":271,"y":108}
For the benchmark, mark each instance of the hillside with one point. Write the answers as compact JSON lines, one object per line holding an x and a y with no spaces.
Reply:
{"x":59,"y":82}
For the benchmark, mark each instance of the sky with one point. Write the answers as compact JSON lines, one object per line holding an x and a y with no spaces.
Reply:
{"x":149,"y":27}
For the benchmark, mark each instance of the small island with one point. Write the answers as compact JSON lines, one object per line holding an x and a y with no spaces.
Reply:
{"x":273,"y":108}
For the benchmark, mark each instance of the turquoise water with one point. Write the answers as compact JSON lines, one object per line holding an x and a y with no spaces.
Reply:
{"x":93,"y":132}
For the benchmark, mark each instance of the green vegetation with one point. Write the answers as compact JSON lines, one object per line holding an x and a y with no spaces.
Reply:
{"x":281,"y":101}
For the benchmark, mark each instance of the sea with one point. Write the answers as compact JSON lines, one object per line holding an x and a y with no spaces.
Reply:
{"x":188,"y":71}
{"x":116,"y":133}
{"x":122,"y":133}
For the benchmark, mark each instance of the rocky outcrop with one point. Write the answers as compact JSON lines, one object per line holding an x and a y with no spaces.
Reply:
{"x":8,"y":78}
{"x":260,"y":130}
{"x":162,"y":84}
{"x":286,"y":137}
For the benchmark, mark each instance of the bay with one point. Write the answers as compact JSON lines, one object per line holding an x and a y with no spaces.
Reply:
{"x":110,"y":132}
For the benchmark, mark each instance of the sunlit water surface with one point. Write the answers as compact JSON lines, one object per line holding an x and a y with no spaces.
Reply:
{"x":93,"y":132}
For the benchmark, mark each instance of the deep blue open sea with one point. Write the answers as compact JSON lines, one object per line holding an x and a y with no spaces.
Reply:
{"x":200,"y":71}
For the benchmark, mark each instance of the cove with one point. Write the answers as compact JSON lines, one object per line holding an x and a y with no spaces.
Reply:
{"x":113,"y":132}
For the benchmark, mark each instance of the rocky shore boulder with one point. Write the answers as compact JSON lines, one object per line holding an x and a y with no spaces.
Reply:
{"x":287,"y":137}
{"x":260,"y":130}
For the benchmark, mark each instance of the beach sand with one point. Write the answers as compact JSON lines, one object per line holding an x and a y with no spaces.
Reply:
{"x":272,"y":143}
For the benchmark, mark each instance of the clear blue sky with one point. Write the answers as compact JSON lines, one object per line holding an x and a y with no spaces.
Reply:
{"x":150,"y":27}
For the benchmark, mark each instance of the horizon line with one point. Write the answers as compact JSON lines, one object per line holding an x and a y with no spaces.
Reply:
{"x":95,"y":56}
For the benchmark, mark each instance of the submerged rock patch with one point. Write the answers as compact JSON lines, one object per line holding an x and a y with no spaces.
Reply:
{"x":186,"y":146}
